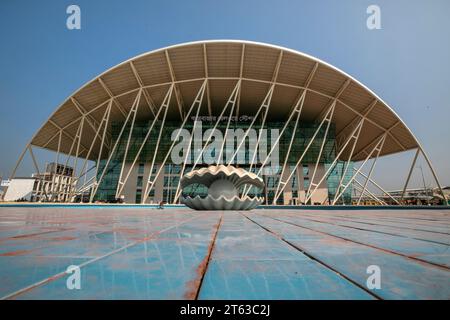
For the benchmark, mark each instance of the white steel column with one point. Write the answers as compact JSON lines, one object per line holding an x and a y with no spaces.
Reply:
{"x":282,"y":184}
{"x":263,"y":106}
{"x":235,"y":100}
{"x":376,"y":148}
{"x":103,"y":122}
{"x":360,"y":186}
{"x":347,"y":164}
{"x":352,"y":136}
{"x":178,"y":95}
{"x":234,"y":97}
{"x":369,"y":175}
{"x":266,"y":105}
{"x":97,"y":183}
{"x":112,"y":97}
{"x":148,"y":99}
{"x":77,"y":153}
{"x":379,"y":187}
{"x":66,"y":193}
{"x":324,"y":140}
{"x":97,"y":165}
{"x":164,"y":107}
{"x":130,"y":134}
{"x":30,"y":149}
{"x":241,"y":70}
{"x":231,"y":102}
{"x":296,"y":110}
{"x":13,"y":174}
{"x":205,"y":66}
{"x":197,"y":101}
{"x":434,"y":176}
{"x":54,"y":178}
{"x":188,"y":152}
{"x":410,"y":173}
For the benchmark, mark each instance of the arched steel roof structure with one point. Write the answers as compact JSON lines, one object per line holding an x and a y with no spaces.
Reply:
{"x":222,"y":63}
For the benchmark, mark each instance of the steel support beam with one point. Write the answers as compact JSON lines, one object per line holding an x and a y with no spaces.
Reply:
{"x":319,"y":156}
{"x":178,"y":95}
{"x":296,"y":110}
{"x":205,"y":66}
{"x":103,"y":124}
{"x":378,"y":186}
{"x":112,"y":97}
{"x":298,"y":107}
{"x":241,"y":71}
{"x":377,"y":149}
{"x":264,"y":106}
{"x":388,"y":130}
{"x":372,"y":167}
{"x":97,"y":165}
{"x":347,"y":164}
{"x":410,"y":173}
{"x":433,"y":172}
{"x":97,"y":183}
{"x":197,"y":102}
{"x":148,"y":98}
{"x":67,"y":134}
{"x":282,"y":184}
{"x":352,"y":122}
{"x":30,"y":150}
{"x":188,"y":152}
{"x":77,"y":154}
{"x":56,"y":166}
{"x":334,"y":99}
{"x":367,"y":191}
{"x":286,"y":85}
{"x":333,"y":164}
{"x":232,"y":99}
{"x":130,"y":134}
{"x":163,"y":108}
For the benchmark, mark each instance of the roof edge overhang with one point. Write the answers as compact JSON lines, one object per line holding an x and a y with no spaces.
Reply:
{"x":244,"y":42}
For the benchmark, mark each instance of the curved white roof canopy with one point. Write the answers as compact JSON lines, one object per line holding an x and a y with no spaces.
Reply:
{"x":223,"y":62}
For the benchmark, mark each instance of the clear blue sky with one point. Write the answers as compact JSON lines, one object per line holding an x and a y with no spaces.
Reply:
{"x":406,"y":62}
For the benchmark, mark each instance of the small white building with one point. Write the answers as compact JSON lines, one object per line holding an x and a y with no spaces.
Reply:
{"x":55,"y":184}
{"x":20,"y":188}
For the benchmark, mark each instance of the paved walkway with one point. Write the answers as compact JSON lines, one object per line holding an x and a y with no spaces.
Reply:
{"x":177,"y":253}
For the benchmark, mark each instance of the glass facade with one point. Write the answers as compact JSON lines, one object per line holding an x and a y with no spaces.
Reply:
{"x":171,"y":172}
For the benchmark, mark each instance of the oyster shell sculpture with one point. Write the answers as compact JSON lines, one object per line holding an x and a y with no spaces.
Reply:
{"x":223,"y":183}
